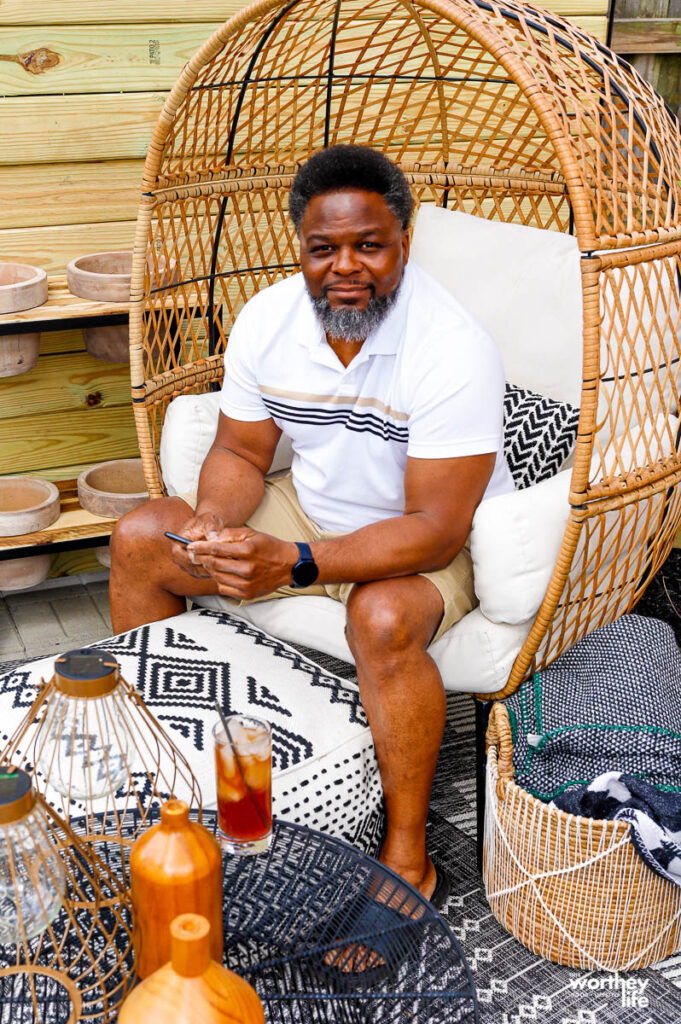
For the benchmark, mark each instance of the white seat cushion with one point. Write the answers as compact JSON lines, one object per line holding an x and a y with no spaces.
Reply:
{"x":474,"y":656}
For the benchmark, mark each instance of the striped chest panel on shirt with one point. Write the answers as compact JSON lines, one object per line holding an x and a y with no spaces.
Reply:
{"x":359,"y":414}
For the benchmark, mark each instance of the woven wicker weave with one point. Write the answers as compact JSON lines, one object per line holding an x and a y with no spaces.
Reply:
{"x":571,"y":889}
{"x":499,"y":110}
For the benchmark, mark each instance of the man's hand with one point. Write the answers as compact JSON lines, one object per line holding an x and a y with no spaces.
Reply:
{"x":205,"y":526}
{"x":244,"y":563}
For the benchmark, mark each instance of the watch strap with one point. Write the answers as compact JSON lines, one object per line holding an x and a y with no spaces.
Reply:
{"x":305,"y":571}
{"x":304,"y":551}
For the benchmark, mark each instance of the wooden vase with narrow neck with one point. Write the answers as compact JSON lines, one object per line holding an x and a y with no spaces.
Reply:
{"x":175,"y":868}
{"x":192,"y":987}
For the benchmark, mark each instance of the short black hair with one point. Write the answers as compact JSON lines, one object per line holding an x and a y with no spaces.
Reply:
{"x":345,"y":167}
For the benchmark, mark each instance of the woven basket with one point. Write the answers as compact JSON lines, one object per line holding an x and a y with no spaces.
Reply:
{"x":571,"y":889}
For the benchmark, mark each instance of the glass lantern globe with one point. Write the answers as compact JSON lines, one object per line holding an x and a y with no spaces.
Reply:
{"x":84,"y":746}
{"x":32,"y":876}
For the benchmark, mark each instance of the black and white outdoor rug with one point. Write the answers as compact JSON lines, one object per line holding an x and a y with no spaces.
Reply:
{"x":514,"y":986}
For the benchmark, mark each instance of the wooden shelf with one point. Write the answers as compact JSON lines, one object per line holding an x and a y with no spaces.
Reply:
{"x":74,"y":528}
{"x":61,"y":309}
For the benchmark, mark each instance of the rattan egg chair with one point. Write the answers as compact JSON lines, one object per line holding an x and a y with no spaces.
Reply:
{"x":587,"y":147}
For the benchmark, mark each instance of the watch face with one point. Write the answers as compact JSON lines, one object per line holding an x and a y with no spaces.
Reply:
{"x":304,"y":573}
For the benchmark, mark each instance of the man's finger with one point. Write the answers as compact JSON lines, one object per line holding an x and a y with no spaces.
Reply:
{"x":232,"y":586}
{"x":219,"y":567}
{"x":221,"y":549}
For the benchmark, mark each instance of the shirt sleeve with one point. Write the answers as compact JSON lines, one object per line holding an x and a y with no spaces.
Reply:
{"x":240,"y":398}
{"x":457,"y":397}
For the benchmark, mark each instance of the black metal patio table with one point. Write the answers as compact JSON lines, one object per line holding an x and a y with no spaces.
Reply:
{"x":325,"y":934}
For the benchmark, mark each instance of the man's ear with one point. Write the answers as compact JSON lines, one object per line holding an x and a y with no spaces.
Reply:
{"x":406,"y":244}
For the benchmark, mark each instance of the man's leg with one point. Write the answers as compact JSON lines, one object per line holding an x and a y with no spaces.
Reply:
{"x":145,"y":584}
{"x":389,"y":626}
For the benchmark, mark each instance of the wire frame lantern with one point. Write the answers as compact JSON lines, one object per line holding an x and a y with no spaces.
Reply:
{"x":97,"y":751}
{"x":66,"y":950}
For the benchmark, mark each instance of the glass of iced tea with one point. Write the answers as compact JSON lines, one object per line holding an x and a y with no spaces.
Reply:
{"x":243,"y":767}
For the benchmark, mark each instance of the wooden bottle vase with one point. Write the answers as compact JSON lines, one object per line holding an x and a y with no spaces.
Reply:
{"x":175,"y":868}
{"x":192,"y":987}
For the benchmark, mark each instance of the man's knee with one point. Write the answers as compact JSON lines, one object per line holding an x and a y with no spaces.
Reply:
{"x":381,"y":622}
{"x":143,"y":527}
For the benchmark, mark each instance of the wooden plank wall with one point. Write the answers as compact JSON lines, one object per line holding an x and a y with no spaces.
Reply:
{"x":81,"y":86}
{"x":648,"y":34}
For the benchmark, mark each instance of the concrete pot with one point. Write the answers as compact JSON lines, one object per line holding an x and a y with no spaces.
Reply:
{"x":21,"y":287}
{"x":111,"y":489}
{"x":19,"y":573}
{"x":27,"y":504}
{"x":105,"y":277}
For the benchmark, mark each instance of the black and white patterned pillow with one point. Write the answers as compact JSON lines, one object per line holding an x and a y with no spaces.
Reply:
{"x":539,"y":434}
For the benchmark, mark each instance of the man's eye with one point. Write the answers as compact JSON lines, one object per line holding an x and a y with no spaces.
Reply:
{"x":320,"y":249}
{"x":370,"y":245}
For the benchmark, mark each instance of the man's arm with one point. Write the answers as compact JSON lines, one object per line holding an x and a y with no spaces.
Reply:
{"x":232,"y":480}
{"x":231,"y":483}
{"x":441,"y":496}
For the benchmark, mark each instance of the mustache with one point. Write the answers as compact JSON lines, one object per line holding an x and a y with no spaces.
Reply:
{"x":349,"y":284}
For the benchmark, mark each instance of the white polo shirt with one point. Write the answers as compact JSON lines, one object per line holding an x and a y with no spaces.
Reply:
{"x":427,"y":384}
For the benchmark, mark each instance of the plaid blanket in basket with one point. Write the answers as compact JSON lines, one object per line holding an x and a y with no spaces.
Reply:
{"x":610,"y":703}
{"x":654,"y":817}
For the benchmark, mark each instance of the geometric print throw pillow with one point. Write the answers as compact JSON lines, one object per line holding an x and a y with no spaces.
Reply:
{"x":539,"y":434}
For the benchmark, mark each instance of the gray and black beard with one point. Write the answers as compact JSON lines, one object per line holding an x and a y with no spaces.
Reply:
{"x":349,"y":324}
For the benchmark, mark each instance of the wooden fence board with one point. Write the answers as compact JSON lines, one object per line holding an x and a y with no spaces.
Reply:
{"x":120,"y":12}
{"x":66,"y":438}
{"x":77,"y":381}
{"x":82,"y":59}
{"x":33,"y":196}
{"x":53,"y":343}
{"x":129,"y":12}
{"x":72,"y":472}
{"x":48,"y":129}
{"x":647,"y":35}
{"x":51,"y":248}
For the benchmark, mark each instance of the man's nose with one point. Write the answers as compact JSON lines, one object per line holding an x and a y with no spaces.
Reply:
{"x":346,"y":261}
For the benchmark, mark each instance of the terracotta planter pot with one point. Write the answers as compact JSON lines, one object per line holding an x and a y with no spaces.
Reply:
{"x":111,"y":489}
{"x":27,"y":504}
{"x":101,"y":276}
{"x":105,"y":277}
{"x":19,"y":573}
{"x":21,"y":287}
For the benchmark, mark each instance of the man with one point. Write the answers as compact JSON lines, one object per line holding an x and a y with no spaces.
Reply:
{"x":393,"y":398}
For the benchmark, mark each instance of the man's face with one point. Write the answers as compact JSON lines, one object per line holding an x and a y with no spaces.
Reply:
{"x":352,"y":248}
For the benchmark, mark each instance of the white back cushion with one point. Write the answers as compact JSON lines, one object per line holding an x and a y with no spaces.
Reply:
{"x":524,"y":286}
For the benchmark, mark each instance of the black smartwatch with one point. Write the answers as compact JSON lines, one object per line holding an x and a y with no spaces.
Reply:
{"x":305,"y":571}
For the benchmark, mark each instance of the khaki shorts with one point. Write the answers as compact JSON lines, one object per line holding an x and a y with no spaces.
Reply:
{"x":279,"y":514}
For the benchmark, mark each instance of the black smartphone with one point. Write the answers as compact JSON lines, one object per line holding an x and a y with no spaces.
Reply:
{"x":176,"y":536}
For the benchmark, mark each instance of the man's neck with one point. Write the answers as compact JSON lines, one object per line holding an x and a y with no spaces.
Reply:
{"x":345,"y":350}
